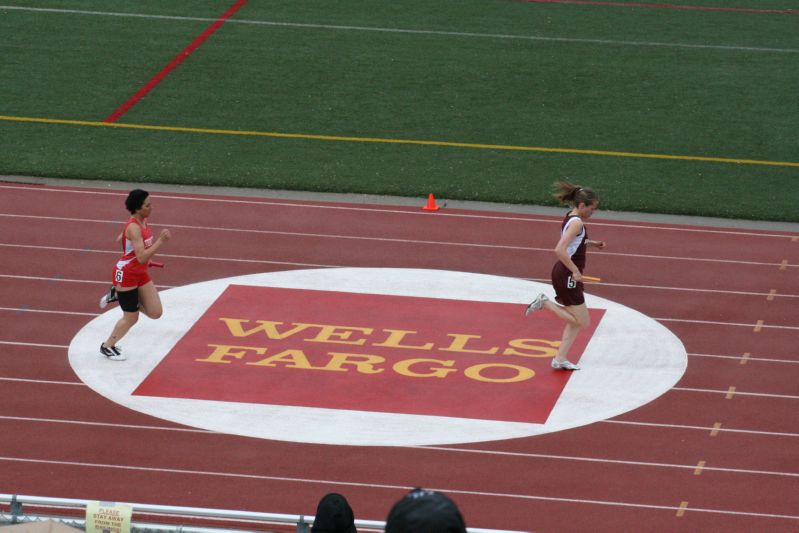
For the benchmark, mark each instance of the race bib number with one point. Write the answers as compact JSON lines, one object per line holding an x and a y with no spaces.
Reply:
{"x":571,"y":284}
{"x":118,"y":276}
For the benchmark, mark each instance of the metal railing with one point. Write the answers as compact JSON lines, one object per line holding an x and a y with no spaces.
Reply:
{"x":146,"y":516}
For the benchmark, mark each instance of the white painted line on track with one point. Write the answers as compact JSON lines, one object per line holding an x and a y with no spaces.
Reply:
{"x":34,"y":344}
{"x":547,"y":250}
{"x":542,"y":280}
{"x":43,"y":381}
{"x":738,"y":393}
{"x":106,"y":424}
{"x":552,"y":220}
{"x":608,"y":461}
{"x":433,"y":448}
{"x":174,"y":256}
{"x":355,"y":484}
{"x":734,"y":324}
{"x":443,"y":33}
{"x":701,"y":428}
{"x":739,"y":358}
{"x":22,"y":310}
{"x":67,"y":280}
{"x":681,"y":389}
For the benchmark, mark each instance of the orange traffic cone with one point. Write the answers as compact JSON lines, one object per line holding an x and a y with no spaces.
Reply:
{"x":431,"y":204}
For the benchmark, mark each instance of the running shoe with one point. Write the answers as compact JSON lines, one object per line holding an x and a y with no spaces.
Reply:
{"x":113,"y":353}
{"x":564,"y":365}
{"x":108,"y":298}
{"x":536,"y":304}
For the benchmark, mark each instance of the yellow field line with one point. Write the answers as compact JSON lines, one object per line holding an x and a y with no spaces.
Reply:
{"x":401,"y":141}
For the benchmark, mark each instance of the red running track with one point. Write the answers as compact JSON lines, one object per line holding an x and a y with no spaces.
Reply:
{"x":720,"y":451}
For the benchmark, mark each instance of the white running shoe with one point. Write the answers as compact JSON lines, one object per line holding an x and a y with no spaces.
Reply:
{"x":564,"y":365}
{"x":536,"y":304}
{"x":109,"y":297}
{"x":112,"y":352}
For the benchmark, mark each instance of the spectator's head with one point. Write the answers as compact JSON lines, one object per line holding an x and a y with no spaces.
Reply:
{"x":333,"y":515}
{"x":425,"y":510}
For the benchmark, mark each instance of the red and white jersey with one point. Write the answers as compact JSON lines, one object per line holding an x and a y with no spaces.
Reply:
{"x":128,"y":253}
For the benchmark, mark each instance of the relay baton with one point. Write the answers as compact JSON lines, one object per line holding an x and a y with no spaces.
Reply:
{"x":156,"y":264}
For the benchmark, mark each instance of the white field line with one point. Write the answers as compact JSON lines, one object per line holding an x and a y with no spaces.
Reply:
{"x":458,"y":34}
{"x":738,"y":393}
{"x":34,"y":344}
{"x":608,"y":284}
{"x":417,"y":212}
{"x":21,"y":310}
{"x":740,"y":358}
{"x":68,"y":280}
{"x":681,"y":389}
{"x":735,"y":357}
{"x":702,"y":428}
{"x":206,"y":229}
{"x":329,"y":483}
{"x":600,"y":460}
{"x":726,"y":324}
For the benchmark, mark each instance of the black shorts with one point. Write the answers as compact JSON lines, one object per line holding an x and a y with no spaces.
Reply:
{"x":568,"y":291}
{"x":129,"y":300}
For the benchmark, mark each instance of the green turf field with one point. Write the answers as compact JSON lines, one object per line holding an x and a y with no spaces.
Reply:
{"x":661,"y":110}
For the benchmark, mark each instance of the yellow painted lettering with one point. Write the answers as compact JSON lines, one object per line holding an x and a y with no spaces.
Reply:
{"x":289,"y":358}
{"x":395,"y":338}
{"x":459,"y":342}
{"x":521,"y":373}
{"x":221,"y":351}
{"x":365,"y":364}
{"x":339,"y":335}
{"x":532,"y":348}
{"x":404,"y":368}
{"x":268,"y":327}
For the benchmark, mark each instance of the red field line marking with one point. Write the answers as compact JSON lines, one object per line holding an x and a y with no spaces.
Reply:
{"x":667,"y":6}
{"x":155,"y":80}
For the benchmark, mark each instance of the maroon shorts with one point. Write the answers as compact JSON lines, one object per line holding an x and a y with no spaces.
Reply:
{"x":567,"y":291}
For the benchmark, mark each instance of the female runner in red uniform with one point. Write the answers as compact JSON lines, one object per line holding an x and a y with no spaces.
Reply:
{"x":567,"y":274}
{"x":132,"y":284}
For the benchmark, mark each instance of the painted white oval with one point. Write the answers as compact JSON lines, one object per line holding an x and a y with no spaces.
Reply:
{"x":607,"y":386}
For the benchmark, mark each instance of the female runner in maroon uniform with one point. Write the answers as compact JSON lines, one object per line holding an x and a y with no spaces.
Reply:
{"x":132,"y":284}
{"x":567,"y":277}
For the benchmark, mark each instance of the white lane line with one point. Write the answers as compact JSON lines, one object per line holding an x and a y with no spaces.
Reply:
{"x":436,"y":448}
{"x":552,"y":220}
{"x":730,"y":324}
{"x":738,"y":393}
{"x":701,"y":428}
{"x":35,"y":344}
{"x":42,"y":382}
{"x":336,"y":27}
{"x":206,"y":229}
{"x":21,"y":310}
{"x":608,"y":461}
{"x":682,"y":389}
{"x":329,"y":482}
{"x":606,"y":284}
{"x":105,"y":424}
{"x":740,"y":358}
{"x":68,"y":280}
{"x":733,"y":357}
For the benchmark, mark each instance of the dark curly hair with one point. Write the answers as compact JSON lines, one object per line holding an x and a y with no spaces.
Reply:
{"x":135,"y":200}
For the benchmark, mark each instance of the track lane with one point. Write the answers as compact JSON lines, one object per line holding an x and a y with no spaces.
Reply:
{"x":724,"y":339}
